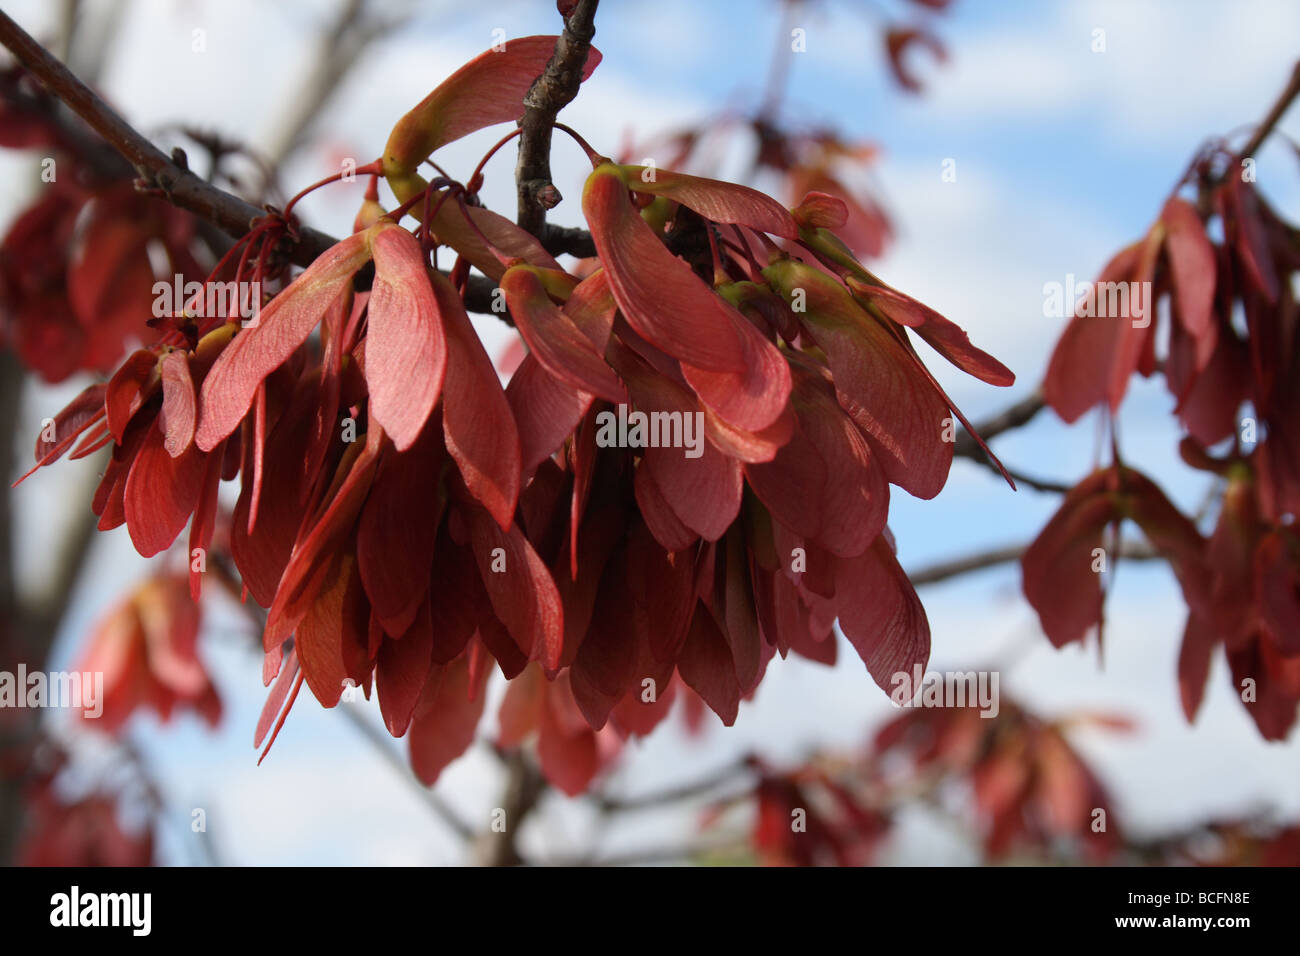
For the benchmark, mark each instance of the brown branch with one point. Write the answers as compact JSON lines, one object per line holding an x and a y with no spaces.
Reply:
{"x":177,"y":184}
{"x":686,"y":791}
{"x":29,"y":623}
{"x":524,"y":787}
{"x":944,"y":570}
{"x":180,"y":186}
{"x":43,"y":613}
{"x":382,"y":744}
{"x":11,"y":637}
{"x":728,"y":845}
{"x":1274,"y":115}
{"x":550,"y":93}
{"x":1038,"y":484}
{"x":570,"y":239}
{"x":1015,"y":416}
{"x":12,"y":375}
{"x":338,"y":49}
{"x":964,"y":565}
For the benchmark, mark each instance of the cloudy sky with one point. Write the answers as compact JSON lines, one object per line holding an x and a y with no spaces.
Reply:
{"x":1062,"y":154}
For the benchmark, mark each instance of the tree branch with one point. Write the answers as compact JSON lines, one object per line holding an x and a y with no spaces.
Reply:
{"x":43,"y":613}
{"x":382,"y":744}
{"x":550,"y":92}
{"x":524,"y":787}
{"x":1015,"y":416}
{"x":729,"y":845}
{"x":942,"y":571}
{"x":1038,"y":484}
{"x":11,"y":636}
{"x":182,"y":188}
{"x":339,"y":47}
{"x":686,"y":791}
{"x":1274,"y":115}
{"x":561,"y":239}
{"x":11,"y":393}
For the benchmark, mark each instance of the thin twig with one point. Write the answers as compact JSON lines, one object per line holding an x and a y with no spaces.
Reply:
{"x":383,"y":745}
{"x":550,"y":92}
{"x":686,"y":791}
{"x":1014,"y":416}
{"x":665,"y":854}
{"x":339,"y":47}
{"x":1038,"y":484}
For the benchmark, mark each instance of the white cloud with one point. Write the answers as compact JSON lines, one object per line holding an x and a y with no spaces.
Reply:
{"x":1170,"y":72}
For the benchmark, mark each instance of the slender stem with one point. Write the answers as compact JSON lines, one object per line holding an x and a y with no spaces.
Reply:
{"x":472,"y":184}
{"x":687,"y":791}
{"x":338,"y":49}
{"x":1010,"y":418}
{"x":382,"y":745}
{"x":593,"y":157}
{"x":778,"y":73}
{"x":370,"y":169}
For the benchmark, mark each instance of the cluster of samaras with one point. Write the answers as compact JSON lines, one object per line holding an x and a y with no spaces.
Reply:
{"x":1233,"y":345}
{"x":407,"y":521}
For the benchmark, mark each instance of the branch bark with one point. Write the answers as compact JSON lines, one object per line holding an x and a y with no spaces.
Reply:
{"x":158,"y":171}
{"x":176,"y":183}
{"x":1015,"y":416}
{"x":550,"y":93}
{"x":1274,"y":115}
{"x":339,"y":47}
{"x":382,"y":744}
{"x":944,"y":570}
{"x":737,"y":770}
{"x":524,"y":787}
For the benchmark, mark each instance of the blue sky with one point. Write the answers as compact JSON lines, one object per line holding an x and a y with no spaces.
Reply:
{"x":1063,"y":155}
